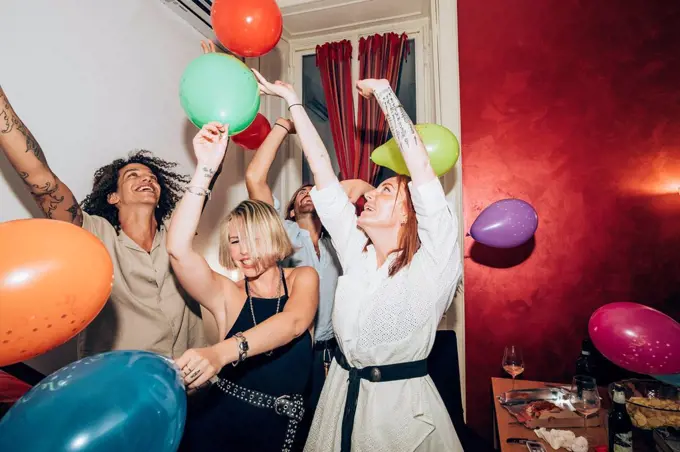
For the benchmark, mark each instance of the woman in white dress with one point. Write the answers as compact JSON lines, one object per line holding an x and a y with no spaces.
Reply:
{"x":401,"y":263}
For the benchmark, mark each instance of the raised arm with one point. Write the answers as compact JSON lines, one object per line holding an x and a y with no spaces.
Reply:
{"x":278,"y":330}
{"x":312,"y":145}
{"x":192,"y":270}
{"x":356,"y":188}
{"x":411,"y":146}
{"x":258,"y":169}
{"x":53,"y":197}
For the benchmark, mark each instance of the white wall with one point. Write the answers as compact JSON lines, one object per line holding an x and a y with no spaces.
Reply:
{"x":94,"y":80}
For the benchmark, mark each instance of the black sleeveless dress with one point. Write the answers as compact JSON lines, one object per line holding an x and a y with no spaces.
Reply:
{"x":237,"y":414}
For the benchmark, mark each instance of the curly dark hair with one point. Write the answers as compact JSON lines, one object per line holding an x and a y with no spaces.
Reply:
{"x":106,"y":182}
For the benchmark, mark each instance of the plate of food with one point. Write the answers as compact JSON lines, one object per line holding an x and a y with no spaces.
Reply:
{"x":543,"y":407}
{"x":651,"y":404}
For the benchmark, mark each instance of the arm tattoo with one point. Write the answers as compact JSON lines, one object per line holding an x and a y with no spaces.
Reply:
{"x":46,"y":195}
{"x":8,"y":119}
{"x":6,"y":115}
{"x":5,"y":123}
{"x":75,"y":211}
{"x":208,"y":173}
{"x":32,"y":145}
{"x":400,"y":124}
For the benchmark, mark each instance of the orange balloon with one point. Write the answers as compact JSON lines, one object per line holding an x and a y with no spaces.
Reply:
{"x":54,"y":279}
{"x":249,"y":28}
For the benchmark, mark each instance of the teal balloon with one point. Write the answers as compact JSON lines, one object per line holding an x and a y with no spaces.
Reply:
{"x":219,"y":87}
{"x":112,"y":402}
{"x":670,"y":379}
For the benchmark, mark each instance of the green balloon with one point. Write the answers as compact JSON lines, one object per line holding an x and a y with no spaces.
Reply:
{"x":441,"y":145}
{"x":219,"y":87}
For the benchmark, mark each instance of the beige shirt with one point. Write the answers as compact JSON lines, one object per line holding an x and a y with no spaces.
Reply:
{"x":147,"y":309}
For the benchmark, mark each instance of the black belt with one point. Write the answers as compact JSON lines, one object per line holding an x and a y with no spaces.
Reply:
{"x":375,"y":374}
{"x":330,"y":344}
{"x":290,"y":406}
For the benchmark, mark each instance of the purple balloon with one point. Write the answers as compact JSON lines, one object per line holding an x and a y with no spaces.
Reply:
{"x":637,"y":338}
{"x":505,"y":224}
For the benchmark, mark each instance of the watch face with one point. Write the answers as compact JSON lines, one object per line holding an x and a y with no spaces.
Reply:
{"x":244,"y":346}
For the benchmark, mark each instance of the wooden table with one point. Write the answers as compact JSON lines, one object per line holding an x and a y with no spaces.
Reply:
{"x":507,"y":426}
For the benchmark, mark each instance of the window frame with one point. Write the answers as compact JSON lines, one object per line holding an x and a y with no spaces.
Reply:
{"x":418,"y":30}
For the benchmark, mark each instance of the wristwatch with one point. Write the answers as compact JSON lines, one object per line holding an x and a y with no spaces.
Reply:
{"x":242,"y":348}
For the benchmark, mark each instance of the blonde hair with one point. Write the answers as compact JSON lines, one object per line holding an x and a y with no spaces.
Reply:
{"x":256,"y":219}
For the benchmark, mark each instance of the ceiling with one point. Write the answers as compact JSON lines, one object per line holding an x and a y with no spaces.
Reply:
{"x":305,"y":18}
{"x":310,"y":17}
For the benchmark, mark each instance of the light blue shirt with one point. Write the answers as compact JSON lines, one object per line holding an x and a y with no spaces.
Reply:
{"x":326,"y":265}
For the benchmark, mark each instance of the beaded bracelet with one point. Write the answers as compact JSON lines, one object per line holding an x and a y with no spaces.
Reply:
{"x":198,"y":191}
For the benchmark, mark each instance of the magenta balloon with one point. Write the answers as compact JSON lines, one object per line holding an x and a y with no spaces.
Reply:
{"x":637,"y":338}
{"x":505,"y":224}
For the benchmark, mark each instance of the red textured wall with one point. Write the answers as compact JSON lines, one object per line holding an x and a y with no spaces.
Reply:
{"x":573,"y":106}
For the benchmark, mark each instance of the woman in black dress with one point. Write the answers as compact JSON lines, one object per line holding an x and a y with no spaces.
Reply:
{"x":261,"y":367}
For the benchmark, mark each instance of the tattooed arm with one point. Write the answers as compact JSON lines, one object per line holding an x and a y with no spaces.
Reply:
{"x":53,"y":197}
{"x":412,"y":148}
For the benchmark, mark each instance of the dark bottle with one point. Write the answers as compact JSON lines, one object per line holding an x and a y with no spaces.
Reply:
{"x":584,"y":363}
{"x":620,"y":427}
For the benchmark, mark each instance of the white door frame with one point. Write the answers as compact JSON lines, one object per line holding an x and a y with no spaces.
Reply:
{"x":444,"y":15}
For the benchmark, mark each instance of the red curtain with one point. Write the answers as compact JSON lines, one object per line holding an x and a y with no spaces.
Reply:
{"x":380,"y":56}
{"x":334,"y":60}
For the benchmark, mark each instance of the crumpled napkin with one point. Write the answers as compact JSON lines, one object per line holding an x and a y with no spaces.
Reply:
{"x":563,"y":438}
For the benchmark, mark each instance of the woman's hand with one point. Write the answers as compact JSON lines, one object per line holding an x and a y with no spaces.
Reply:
{"x":208,"y":46}
{"x":199,"y":365}
{"x":278,"y":88}
{"x":368,"y":86}
{"x":210,"y":144}
{"x":356,"y":188}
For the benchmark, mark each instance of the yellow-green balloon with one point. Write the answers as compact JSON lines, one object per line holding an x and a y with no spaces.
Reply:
{"x":219,"y":87}
{"x":441,"y":145}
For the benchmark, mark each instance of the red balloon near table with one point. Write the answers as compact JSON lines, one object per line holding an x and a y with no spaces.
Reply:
{"x":637,"y":338}
{"x":254,"y":135}
{"x":249,"y":28}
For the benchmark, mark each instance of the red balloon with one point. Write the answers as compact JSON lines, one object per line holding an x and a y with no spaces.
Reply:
{"x":249,"y":28}
{"x":254,"y":135}
{"x":54,"y":279}
{"x":637,"y":338}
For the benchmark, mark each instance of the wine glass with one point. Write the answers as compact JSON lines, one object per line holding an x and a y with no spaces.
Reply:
{"x":513,"y":363}
{"x":585,"y":398}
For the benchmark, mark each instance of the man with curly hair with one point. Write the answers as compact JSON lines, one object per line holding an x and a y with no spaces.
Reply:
{"x":131,"y":199}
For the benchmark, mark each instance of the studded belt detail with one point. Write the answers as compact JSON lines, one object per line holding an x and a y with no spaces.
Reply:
{"x":290,"y":406}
